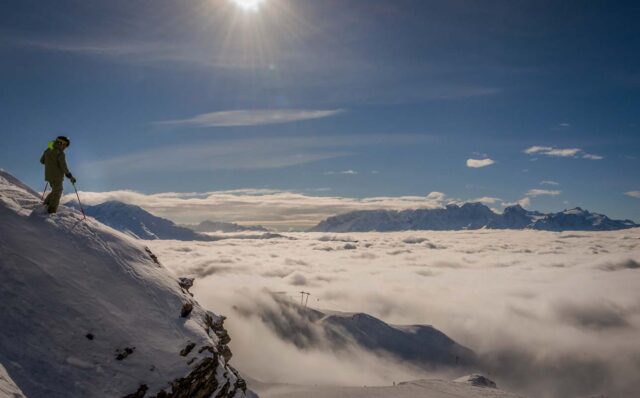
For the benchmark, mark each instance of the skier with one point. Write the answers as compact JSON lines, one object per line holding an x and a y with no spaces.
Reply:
{"x":55,"y":169}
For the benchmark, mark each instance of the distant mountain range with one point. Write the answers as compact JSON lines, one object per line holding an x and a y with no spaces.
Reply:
{"x":219,"y":226}
{"x":469,"y":216}
{"x":139,"y":223}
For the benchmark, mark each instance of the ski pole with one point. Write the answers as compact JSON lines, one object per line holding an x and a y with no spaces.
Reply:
{"x":45,"y":190}
{"x":79,"y":203}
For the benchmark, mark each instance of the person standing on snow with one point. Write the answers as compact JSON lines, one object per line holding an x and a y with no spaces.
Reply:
{"x":55,"y":169}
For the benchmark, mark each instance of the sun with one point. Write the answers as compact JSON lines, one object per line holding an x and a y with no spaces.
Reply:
{"x":248,"y":5}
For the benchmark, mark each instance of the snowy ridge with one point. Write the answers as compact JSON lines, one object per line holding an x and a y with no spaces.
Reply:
{"x":470,"y":216}
{"x":89,"y":312}
{"x":139,"y":223}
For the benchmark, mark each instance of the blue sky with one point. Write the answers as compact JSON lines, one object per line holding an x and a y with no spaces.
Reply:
{"x":347,"y":98}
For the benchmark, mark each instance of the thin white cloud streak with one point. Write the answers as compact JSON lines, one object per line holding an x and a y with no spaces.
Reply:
{"x":561,"y":152}
{"x":344,"y":172}
{"x":549,"y":182}
{"x":245,"y":154}
{"x":247,"y":117}
{"x":633,"y":194}
{"x":486,"y":200}
{"x":304,"y":70}
{"x":477,"y":163}
{"x":543,"y":192}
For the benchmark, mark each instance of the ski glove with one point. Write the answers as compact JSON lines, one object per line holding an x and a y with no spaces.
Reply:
{"x":71,"y":178}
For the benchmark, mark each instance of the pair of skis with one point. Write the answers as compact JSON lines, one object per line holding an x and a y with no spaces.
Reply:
{"x":84,"y":216}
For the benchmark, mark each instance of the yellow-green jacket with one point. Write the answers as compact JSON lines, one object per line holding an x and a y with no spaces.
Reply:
{"x":55,"y":164}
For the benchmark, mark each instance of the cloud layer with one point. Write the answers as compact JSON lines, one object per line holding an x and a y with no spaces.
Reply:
{"x":561,"y":152}
{"x":550,"y":314}
{"x":251,"y":117}
{"x":477,"y":163}
{"x":633,"y":194}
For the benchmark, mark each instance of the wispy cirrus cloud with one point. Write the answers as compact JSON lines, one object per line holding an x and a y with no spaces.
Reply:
{"x":633,"y":194}
{"x":248,"y":117}
{"x":543,"y":192}
{"x":487,"y":200}
{"x":561,"y":152}
{"x":344,"y":172}
{"x":477,"y":163}
{"x":246,"y":153}
{"x":549,"y":182}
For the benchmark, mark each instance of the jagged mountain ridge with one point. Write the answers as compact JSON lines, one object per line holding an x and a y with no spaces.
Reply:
{"x":89,"y":312}
{"x":469,"y":216}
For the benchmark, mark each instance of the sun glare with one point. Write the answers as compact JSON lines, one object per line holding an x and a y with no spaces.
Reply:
{"x":248,"y":5}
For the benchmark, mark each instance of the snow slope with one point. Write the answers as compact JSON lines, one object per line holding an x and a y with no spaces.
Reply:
{"x":89,"y":312}
{"x":412,"y":389}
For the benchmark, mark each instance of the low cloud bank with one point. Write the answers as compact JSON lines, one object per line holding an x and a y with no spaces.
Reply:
{"x":550,"y":314}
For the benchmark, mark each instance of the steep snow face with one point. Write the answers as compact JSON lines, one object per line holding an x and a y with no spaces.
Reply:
{"x":469,"y":216}
{"x":88,"y":312}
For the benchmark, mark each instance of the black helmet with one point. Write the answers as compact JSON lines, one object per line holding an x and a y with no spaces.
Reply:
{"x":64,"y":139}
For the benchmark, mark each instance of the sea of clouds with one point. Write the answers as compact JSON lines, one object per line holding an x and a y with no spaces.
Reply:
{"x":549,"y":314}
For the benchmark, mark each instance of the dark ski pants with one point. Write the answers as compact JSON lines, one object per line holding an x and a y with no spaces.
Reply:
{"x":53,"y":199}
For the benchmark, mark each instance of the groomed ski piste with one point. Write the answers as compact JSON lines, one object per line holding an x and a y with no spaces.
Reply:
{"x":88,"y":312}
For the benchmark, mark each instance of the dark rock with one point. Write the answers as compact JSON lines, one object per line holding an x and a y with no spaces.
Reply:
{"x":151,"y":255}
{"x":186,"y":309}
{"x":186,"y":284}
{"x":142,"y":390}
{"x":89,"y":336}
{"x":225,"y":351}
{"x":206,"y":348}
{"x":477,"y":380}
{"x":200,"y":383}
{"x":124,"y":353}
{"x":186,"y":350}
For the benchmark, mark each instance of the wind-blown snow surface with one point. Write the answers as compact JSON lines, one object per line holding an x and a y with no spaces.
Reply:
{"x":549,"y":314}
{"x":412,"y":389}
{"x":87,"y":312}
